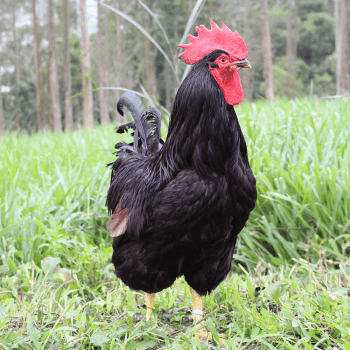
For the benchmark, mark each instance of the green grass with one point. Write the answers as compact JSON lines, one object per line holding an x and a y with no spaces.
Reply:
{"x":57,"y":289}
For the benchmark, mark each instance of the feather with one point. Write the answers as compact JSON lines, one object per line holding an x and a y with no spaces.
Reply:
{"x":118,"y":223}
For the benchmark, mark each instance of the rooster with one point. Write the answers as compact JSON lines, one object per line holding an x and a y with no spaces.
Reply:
{"x":178,"y":206}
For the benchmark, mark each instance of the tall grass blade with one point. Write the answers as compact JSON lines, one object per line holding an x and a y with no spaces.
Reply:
{"x":13,"y":227}
{"x":107,"y":88}
{"x":143,"y":31}
{"x":194,"y":14}
{"x":187,"y":69}
{"x":159,"y":106}
{"x":159,"y":24}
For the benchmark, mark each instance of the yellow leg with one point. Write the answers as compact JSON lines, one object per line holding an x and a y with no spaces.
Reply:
{"x":197,"y":314}
{"x":150,"y":307}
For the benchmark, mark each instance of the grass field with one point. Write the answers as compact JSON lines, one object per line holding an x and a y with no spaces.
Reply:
{"x":289,"y":287}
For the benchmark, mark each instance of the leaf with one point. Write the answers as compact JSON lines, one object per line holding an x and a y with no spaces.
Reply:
{"x":295,"y":323}
{"x":41,"y":225}
{"x":339,"y":291}
{"x":12,"y":227}
{"x":64,"y":328}
{"x":255,"y":332}
{"x":12,"y":266}
{"x":32,"y":332}
{"x":308,"y":346}
{"x":212,"y":330}
{"x":98,"y":339}
{"x":49,"y":263}
{"x":130,"y":324}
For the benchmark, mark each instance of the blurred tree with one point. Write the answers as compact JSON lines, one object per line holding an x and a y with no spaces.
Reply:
{"x":53,"y":79}
{"x":38,"y":80}
{"x":104,"y":117}
{"x":135,"y":58}
{"x":150,"y":53}
{"x":2,"y":122}
{"x":247,"y":76}
{"x":86,"y":70}
{"x":106,"y":59}
{"x":341,"y":42}
{"x":118,"y":72}
{"x":68,"y":110}
{"x":266,"y":44}
{"x":316,"y":38}
{"x":292,"y":38}
{"x":14,"y":29}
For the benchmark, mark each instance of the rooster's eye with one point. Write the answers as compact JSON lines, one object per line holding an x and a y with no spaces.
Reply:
{"x":223,"y":60}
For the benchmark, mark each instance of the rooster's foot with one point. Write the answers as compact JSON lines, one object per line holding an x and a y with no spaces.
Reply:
{"x":204,"y":334}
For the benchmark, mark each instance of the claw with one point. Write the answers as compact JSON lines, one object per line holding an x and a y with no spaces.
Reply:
{"x":204,"y":334}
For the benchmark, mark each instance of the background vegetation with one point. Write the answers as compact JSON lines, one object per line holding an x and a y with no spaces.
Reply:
{"x":290,"y":283}
{"x":289,"y":286}
{"x":303,"y":36}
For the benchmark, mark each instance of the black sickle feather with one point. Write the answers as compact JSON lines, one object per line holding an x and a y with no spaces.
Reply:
{"x":125,"y":127}
{"x":135,"y":106}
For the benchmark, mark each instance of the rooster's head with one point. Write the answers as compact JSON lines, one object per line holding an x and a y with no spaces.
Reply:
{"x":231,"y":57}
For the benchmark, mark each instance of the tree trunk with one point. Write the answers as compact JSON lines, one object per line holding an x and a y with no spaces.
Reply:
{"x":340,"y":19}
{"x":54,"y":87}
{"x":150,"y":72}
{"x":118,"y":71}
{"x":2,"y":122}
{"x":291,"y":48}
{"x":118,"y":54}
{"x":16,"y":66}
{"x":101,"y":93}
{"x":38,"y":81}
{"x":344,"y":25}
{"x":267,"y":52}
{"x":246,"y":74}
{"x":68,"y":109}
{"x":86,"y":70}
{"x":168,"y":87}
{"x":150,"y":54}
{"x":106,"y":65}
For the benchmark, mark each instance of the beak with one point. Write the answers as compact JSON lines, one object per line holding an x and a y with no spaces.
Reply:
{"x":243,"y":64}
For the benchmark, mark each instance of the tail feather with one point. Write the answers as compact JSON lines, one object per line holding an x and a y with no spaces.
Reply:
{"x":125,"y":127}
{"x":135,"y":106}
{"x":151,"y":122}
{"x":146,"y":126}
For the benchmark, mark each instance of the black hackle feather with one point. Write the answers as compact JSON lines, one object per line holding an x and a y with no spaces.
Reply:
{"x":186,"y":199}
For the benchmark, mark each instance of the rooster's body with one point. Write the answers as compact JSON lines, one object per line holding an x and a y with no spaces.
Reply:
{"x":179,"y":208}
{"x":187,"y":202}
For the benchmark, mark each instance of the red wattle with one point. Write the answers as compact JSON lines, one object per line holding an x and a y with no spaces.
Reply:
{"x":230,"y":85}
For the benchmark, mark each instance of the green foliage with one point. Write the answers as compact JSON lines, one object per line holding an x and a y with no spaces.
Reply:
{"x":56,"y":185}
{"x":307,"y":7}
{"x":292,"y":307}
{"x":280,"y":74}
{"x":57,"y":286}
{"x":317,"y":39}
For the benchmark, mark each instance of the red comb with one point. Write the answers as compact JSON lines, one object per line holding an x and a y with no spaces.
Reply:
{"x":212,"y":39}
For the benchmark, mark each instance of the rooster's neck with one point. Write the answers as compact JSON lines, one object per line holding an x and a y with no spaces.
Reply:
{"x":204,"y":132}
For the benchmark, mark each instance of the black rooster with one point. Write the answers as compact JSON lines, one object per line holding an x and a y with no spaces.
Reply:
{"x":178,"y":208}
